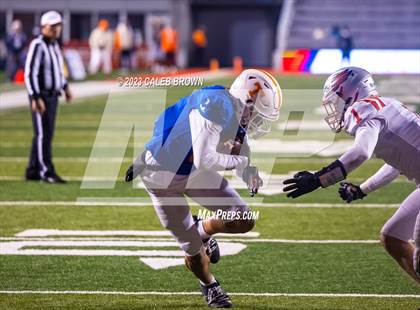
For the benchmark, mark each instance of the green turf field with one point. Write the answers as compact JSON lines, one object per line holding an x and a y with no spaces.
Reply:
{"x":310,"y":253}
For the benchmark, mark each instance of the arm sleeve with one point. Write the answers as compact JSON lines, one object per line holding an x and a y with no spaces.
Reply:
{"x":382,"y":177}
{"x":364,"y":144}
{"x":205,"y":137}
{"x":32,"y":65}
{"x":245,"y":151}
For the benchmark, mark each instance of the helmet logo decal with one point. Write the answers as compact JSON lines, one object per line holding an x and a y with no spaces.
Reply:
{"x":340,"y":78}
{"x":254,"y":92}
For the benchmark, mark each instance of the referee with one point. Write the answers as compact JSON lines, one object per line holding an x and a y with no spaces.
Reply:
{"x":44,"y":79}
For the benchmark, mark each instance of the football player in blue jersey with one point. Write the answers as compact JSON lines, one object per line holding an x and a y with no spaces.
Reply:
{"x":199,"y":135}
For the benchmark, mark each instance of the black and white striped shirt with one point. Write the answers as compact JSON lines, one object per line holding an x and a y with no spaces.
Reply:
{"x":44,"y":67}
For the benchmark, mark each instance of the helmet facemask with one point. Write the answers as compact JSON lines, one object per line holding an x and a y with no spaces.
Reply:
{"x":252,"y":121}
{"x":258,"y":126}
{"x":335,"y":107}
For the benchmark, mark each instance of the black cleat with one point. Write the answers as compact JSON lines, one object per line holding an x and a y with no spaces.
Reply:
{"x":212,"y":247}
{"x":32,"y":176}
{"x":55,"y":179}
{"x":215,"y":296}
{"x":59,"y":179}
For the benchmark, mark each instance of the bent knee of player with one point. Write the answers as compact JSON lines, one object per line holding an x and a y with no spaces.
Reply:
{"x":394,"y":246}
{"x":194,"y":258}
{"x":240,"y":226}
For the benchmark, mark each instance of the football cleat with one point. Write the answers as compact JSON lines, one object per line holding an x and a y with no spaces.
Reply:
{"x":215,"y":296}
{"x":211,"y":245}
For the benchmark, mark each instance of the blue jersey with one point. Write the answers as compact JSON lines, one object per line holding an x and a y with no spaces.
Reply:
{"x":171,"y":144}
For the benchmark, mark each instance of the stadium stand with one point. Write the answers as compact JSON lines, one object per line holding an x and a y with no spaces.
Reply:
{"x":375,"y":24}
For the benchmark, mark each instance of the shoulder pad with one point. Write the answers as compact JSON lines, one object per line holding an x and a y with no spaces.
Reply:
{"x":361,"y":111}
{"x":215,"y":105}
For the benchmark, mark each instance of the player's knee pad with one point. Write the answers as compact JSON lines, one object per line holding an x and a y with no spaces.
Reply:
{"x":189,"y":241}
{"x":391,"y":230}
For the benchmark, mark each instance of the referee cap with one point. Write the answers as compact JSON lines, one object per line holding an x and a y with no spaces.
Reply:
{"x":51,"y":18}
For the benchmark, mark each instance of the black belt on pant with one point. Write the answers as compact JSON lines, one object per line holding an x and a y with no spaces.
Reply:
{"x":50,"y":93}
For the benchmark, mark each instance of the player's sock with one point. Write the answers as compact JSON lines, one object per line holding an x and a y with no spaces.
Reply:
{"x":417,"y":232}
{"x":416,"y":256}
{"x":213,"y":280}
{"x":201,"y":230}
{"x":211,"y":245}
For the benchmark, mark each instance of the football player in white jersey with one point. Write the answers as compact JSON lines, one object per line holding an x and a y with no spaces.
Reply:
{"x":199,"y":135}
{"x":382,"y":127}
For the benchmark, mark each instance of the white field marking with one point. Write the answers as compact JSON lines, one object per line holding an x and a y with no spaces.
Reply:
{"x":134,"y":203}
{"x":16,"y":248}
{"x":301,"y":147}
{"x":155,"y":258}
{"x":274,"y":187}
{"x":71,"y":144}
{"x":154,"y":293}
{"x":304,"y":125}
{"x":9,"y":159}
{"x":68,"y":178}
{"x":280,"y":147}
{"x":291,"y":241}
{"x":117,"y":159}
{"x":164,"y":262}
{"x":224,"y":238}
{"x":154,"y":233}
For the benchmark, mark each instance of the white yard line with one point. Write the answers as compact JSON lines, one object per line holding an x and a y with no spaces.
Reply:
{"x":220,"y":237}
{"x":9,"y":159}
{"x":134,"y":203}
{"x":154,"y":293}
{"x":153,"y":233}
{"x":118,"y":159}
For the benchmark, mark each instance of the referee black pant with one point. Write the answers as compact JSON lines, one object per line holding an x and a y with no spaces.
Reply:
{"x":40,"y":160}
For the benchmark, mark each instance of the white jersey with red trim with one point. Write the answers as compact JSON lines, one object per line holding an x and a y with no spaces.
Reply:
{"x":399,"y":139}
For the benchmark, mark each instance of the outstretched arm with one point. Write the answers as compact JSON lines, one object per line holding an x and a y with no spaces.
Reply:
{"x":385,"y":175}
{"x":364,"y":143}
{"x":350,"y":192}
{"x":305,"y":182}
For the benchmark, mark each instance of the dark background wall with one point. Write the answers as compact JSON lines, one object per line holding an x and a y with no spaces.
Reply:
{"x":247,"y":31}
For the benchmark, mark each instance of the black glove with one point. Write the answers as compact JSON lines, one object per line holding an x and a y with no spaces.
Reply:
{"x":349,"y":192}
{"x":252,"y":179}
{"x":302,"y":183}
{"x":129,"y":174}
{"x":135,"y":169}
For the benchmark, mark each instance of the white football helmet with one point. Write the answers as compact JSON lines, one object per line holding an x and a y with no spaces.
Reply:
{"x":261,"y":96}
{"x":342,"y":89}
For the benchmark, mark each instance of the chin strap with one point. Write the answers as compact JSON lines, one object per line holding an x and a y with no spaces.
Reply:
{"x":331,"y":174}
{"x":240,"y":134}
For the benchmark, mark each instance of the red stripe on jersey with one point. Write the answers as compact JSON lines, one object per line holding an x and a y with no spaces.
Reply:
{"x":380,"y":102}
{"x":356,"y":115}
{"x":373,"y":102}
